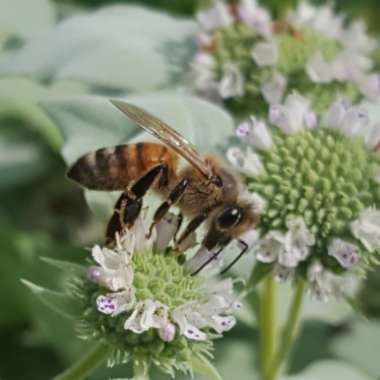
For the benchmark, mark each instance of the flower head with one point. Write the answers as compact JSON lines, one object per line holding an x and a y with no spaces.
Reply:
{"x":313,"y":52}
{"x":145,"y":303}
{"x":319,"y":179}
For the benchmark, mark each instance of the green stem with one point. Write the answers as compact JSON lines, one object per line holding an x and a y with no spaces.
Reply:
{"x":267,"y":323}
{"x":140,"y":371}
{"x":86,"y":365}
{"x":289,"y":333}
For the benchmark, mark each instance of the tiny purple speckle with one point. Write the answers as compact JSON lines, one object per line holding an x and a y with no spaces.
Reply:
{"x":243,"y":130}
{"x":190,"y":332}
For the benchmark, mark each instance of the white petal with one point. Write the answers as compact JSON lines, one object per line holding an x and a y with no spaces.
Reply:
{"x":247,"y":162}
{"x":115,"y":303}
{"x":166,"y":229}
{"x":251,"y":14}
{"x":355,"y":120}
{"x":370,"y":86}
{"x":255,"y":132}
{"x":232,"y":82}
{"x":249,"y":237}
{"x":167,"y":332}
{"x":356,"y":38}
{"x":367,"y":229}
{"x":273,"y":91}
{"x":269,"y":248}
{"x":186,"y":328}
{"x":336,"y":113}
{"x":281,"y":273}
{"x":318,"y":69}
{"x":221,"y":324}
{"x":215,"y":17}
{"x":299,"y":238}
{"x":347,"y":254}
{"x":265,"y":53}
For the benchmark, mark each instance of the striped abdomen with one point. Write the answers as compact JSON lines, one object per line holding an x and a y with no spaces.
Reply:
{"x":116,"y":167}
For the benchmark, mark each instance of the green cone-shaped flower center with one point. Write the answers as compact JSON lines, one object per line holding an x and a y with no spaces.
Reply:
{"x":320,"y":175}
{"x":235,"y":44}
{"x":159,"y":277}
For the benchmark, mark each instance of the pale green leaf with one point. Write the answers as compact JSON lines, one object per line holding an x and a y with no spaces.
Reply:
{"x":62,"y":303}
{"x":330,"y":370}
{"x":360,"y":346}
{"x":120,"y":47}
{"x":25,"y":19}
{"x":205,"y":368}
{"x":65,"y":266}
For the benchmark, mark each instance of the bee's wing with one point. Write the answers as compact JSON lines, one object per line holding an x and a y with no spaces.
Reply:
{"x":166,"y":134}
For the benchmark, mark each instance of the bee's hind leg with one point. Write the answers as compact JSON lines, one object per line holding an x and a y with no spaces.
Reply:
{"x":128,"y":206}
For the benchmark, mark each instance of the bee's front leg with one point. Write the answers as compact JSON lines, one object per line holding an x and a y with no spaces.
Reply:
{"x":128,"y":206}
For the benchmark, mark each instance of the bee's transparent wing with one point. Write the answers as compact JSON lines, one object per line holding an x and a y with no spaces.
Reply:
{"x":166,"y":134}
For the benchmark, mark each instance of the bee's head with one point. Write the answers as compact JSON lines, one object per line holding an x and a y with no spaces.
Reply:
{"x":228,"y":217}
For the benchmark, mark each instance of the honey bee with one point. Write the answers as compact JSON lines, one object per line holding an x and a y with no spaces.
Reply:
{"x":204,"y":190}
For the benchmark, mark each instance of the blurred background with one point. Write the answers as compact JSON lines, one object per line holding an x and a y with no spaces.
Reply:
{"x":42,"y":214}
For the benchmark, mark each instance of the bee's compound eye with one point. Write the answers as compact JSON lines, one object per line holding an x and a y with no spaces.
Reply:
{"x":229,"y":217}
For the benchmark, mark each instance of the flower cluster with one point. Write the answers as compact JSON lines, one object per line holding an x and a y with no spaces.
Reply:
{"x":141,"y":298}
{"x":247,"y":60}
{"x":319,"y":177}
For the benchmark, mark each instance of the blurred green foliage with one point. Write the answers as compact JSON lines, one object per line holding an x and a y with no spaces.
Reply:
{"x":42,"y":214}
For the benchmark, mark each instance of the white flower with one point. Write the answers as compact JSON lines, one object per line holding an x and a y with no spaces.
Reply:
{"x":166,"y":229}
{"x":294,"y":115}
{"x":270,"y":247}
{"x":265,"y":53}
{"x":367,"y":229}
{"x":287,"y":249}
{"x":350,"y":120}
{"x":281,"y":273}
{"x":251,"y":14}
{"x":115,"y":303}
{"x":299,"y":238}
{"x":204,"y":41}
{"x":318,"y":69}
{"x":369,"y":85}
{"x":194,"y":316}
{"x":203,"y":74}
{"x":346,"y":254}
{"x":167,"y":332}
{"x":255,"y":132}
{"x":146,"y":315}
{"x":356,"y":38}
{"x":273,"y":91}
{"x":247,"y":162}
{"x":322,"y":19}
{"x":232,"y":82}
{"x":322,"y":284}
{"x":114,"y":271}
{"x":217,"y":16}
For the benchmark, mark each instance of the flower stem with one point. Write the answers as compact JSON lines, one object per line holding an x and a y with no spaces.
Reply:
{"x":267,"y":323}
{"x":288,"y":334}
{"x":140,"y":371}
{"x":87,"y":364}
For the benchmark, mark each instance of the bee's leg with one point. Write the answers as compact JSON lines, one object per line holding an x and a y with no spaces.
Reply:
{"x":237,"y":258}
{"x":128,"y":206}
{"x":174,"y":196}
{"x":212,"y":258}
{"x":191,"y":227}
{"x":180,"y":221}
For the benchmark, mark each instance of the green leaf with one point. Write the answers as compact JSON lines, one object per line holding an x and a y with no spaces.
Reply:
{"x":330,"y":370}
{"x":25,"y":19}
{"x":62,"y":303}
{"x":65,"y":266}
{"x":360,"y":346}
{"x":205,"y":368}
{"x":120,"y":47}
